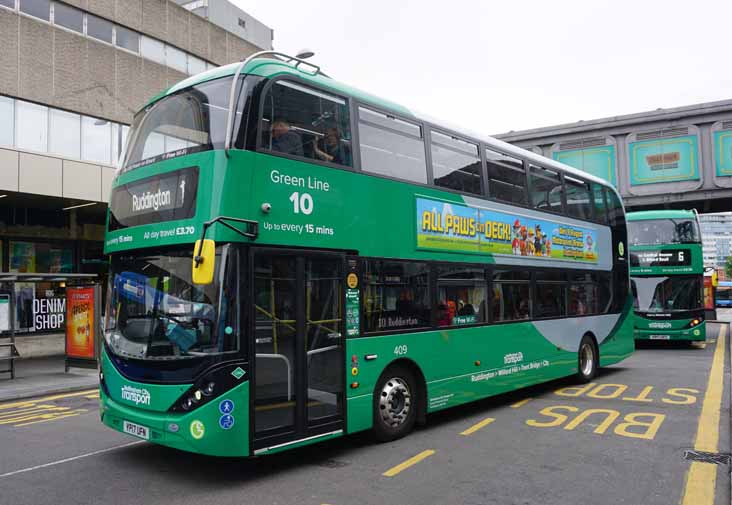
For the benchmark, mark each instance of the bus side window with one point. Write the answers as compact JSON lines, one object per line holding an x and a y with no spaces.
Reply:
{"x":391,"y":146}
{"x":456,"y":164}
{"x":545,"y":189}
{"x":506,"y":178}
{"x":579,"y":204}
{"x":303,"y":122}
{"x":598,"y":194}
{"x":510,"y":297}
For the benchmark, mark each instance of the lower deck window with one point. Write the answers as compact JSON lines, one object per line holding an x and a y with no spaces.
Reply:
{"x":460,"y":296}
{"x":396,"y":295}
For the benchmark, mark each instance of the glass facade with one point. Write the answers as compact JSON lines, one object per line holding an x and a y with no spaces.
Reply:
{"x":716,"y":230}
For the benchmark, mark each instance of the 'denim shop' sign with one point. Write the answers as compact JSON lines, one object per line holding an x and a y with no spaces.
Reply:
{"x":49,"y":313}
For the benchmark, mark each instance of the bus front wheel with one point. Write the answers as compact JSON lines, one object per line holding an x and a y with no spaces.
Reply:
{"x":395,"y":404}
{"x":588,"y":359}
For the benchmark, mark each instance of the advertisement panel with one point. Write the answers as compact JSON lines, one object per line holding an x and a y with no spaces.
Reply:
{"x":666,"y":160}
{"x":447,"y":226}
{"x":723,"y":153}
{"x":598,"y":161}
{"x":80,"y":322}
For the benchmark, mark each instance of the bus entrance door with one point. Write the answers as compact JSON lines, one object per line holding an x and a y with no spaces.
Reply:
{"x":298,"y":346}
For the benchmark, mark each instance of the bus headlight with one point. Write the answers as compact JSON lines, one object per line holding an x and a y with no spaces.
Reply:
{"x":213,"y":384}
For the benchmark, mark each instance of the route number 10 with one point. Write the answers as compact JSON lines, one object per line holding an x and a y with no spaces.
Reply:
{"x":302,"y":203}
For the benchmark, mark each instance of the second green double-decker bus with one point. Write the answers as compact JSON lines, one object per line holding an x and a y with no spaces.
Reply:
{"x":667,"y":271}
{"x":293,"y":260}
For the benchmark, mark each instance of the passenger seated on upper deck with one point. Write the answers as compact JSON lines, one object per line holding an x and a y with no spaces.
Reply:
{"x":332,"y":149}
{"x":285,"y":140}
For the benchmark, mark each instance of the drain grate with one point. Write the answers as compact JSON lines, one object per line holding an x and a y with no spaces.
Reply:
{"x":707,"y":457}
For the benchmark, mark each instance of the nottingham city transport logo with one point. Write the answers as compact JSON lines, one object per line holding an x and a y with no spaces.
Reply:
{"x":136,"y":395}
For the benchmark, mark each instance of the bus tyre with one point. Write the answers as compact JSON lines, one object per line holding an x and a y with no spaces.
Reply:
{"x":395,"y":404}
{"x":588,"y":359}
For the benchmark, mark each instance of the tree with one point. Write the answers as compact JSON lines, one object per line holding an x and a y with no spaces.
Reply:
{"x":728,"y":267}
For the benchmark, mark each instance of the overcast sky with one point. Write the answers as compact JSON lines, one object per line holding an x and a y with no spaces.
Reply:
{"x":495,"y":66}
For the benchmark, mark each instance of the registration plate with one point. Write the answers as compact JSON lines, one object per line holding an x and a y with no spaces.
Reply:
{"x":660,"y":337}
{"x":136,"y":430}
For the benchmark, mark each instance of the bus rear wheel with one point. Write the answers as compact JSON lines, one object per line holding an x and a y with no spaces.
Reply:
{"x":588,"y":360}
{"x":395,"y":404}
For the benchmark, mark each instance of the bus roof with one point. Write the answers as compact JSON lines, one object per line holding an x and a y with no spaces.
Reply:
{"x":271,"y":67}
{"x":660,"y":214}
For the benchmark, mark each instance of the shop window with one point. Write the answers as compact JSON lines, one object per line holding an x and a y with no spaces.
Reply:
{"x":96,"y":140}
{"x":31,"y":126}
{"x":396,"y":295}
{"x":65,"y":134}
{"x":456,"y":164}
{"x":461,"y":294}
{"x":303,"y":122}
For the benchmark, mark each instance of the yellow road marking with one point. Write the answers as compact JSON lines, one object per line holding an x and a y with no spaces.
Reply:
{"x":45,"y":414}
{"x":47,"y":399}
{"x":520,"y":403}
{"x":702,"y":477}
{"x":93,"y":397}
{"x":485,"y":422}
{"x":56,"y":418}
{"x":391,"y":472}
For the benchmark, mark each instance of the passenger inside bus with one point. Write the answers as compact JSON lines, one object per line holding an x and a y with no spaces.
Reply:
{"x":331,"y":149}
{"x":284,"y":140}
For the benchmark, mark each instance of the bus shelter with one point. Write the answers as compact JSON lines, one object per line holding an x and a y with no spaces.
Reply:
{"x":44,"y":312}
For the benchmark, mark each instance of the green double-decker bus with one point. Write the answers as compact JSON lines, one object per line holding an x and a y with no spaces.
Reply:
{"x":667,"y":271}
{"x":293,"y":260}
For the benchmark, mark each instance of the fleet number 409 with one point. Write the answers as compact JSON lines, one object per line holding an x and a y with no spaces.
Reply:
{"x":400,"y":350}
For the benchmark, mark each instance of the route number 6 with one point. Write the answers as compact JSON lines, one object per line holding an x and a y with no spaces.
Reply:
{"x":302,"y":203}
{"x":400,"y":350}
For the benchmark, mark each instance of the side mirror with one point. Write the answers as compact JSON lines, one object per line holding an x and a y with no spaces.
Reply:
{"x":204,"y":261}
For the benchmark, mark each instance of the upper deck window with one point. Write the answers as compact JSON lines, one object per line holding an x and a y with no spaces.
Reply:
{"x":663,"y":231}
{"x":506,"y":178}
{"x":194,"y":118}
{"x":303,"y":122}
{"x":579,"y":203}
{"x":456,"y":164}
{"x":545,"y":189}
{"x":391,"y":146}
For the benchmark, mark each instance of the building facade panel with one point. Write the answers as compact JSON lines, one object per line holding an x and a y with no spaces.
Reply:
{"x":129,"y":13}
{"x":8,"y":170}
{"x":36,"y":60}
{"x":217,"y":45}
{"x":70,"y":83}
{"x":100,"y":77}
{"x":155,"y":18}
{"x":9,"y":53}
{"x":82,"y":181}
{"x":106,"y":184}
{"x":178,"y":27}
{"x":40,"y":175}
{"x":198,"y":34}
{"x":131,"y":92}
{"x":103,"y":8}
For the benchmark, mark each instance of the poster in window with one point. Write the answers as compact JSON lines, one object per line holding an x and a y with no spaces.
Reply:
{"x":80,"y":322}
{"x":22,"y":257}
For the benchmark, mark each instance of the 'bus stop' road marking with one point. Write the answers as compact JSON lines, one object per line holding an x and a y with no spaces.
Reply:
{"x":702,"y":477}
{"x":485,"y":422}
{"x":29,"y":403}
{"x":391,"y":472}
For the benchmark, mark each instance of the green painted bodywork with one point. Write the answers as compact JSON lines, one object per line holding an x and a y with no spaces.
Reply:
{"x":215,"y":442}
{"x":467,"y":364}
{"x":358,"y":214}
{"x":675,"y":329}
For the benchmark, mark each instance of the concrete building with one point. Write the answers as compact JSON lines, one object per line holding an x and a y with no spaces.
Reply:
{"x":677,"y":158}
{"x":716,"y":232}
{"x":72,"y":74}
